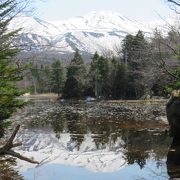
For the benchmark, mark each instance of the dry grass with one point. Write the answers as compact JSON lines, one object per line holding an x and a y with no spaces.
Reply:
{"x":53,"y":95}
{"x":139,"y":101}
{"x":45,"y":95}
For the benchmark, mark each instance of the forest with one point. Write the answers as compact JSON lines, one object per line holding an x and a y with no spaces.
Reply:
{"x":145,"y":67}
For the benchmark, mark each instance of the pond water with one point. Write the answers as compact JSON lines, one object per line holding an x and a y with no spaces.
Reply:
{"x":73,"y":145}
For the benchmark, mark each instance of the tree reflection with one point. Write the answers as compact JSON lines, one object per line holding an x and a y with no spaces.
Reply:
{"x":103,"y":130}
{"x":138,"y":144}
{"x":76,"y":128}
{"x":58,"y":122}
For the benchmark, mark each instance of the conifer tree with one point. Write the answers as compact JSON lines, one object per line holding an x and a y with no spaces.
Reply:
{"x":94,"y":75}
{"x":57,"y":77}
{"x":119,"y":80}
{"x":104,"y":75}
{"x":10,"y":72}
{"x":76,"y":78}
{"x":99,"y":76}
{"x":136,"y":57}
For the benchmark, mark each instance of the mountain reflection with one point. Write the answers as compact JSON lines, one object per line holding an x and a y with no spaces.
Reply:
{"x":138,"y":141}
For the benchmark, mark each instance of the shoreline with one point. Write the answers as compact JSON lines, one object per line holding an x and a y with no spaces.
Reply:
{"x":55,"y":97}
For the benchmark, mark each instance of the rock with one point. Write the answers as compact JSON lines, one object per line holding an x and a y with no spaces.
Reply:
{"x":173,"y":114}
{"x":173,"y":160}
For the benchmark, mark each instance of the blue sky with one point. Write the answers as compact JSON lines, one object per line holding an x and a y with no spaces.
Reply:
{"x":140,"y":10}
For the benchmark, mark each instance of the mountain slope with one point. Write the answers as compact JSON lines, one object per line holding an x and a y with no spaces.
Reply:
{"x":96,"y":31}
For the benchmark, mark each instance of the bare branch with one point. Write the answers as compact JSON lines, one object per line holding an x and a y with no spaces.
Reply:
{"x":174,"y":2}
{"x":163,"y":64}
{"x":19,"y":156}
{"x":6,"y":149}
{"x":9,"y":144}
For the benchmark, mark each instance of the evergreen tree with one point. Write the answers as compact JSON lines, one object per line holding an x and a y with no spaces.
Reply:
{"x":99,"y":76}
{"x":134,"y":50}
{"x":9,"y":72}
{"x":136,"y":57}
{"x":104,"y":76}
{"x":57,"y":77}
{"x":120,"y":82}
{"x":94,"y":76}
{"x":76,"y":78}
{"x":127,"y":48}
{"x":35,"y":78}
{"x":47,"y":79}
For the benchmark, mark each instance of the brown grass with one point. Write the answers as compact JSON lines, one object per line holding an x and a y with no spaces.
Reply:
{"x":139,"y":101}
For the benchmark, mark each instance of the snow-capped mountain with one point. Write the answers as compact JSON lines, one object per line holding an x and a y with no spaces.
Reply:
{"x":96,"y":31}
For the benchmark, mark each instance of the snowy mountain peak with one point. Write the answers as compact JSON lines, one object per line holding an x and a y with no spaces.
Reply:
{"x":95,"y":31}
{"x":105,"y":15}
{"x":99,"y":20}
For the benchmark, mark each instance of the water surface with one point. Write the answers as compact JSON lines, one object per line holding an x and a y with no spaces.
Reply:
{"x":73,"y":145}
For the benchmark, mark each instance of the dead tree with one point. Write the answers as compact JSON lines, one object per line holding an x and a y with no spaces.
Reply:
{"x":7,"y":148}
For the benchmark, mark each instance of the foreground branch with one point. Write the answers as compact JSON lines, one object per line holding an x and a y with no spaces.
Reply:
{"x":7,"y":148}
{"x":163,"y":64}
{"x":174,"y":2}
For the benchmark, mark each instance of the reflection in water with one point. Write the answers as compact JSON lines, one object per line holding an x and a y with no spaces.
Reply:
{"x":173,"y":159}
{"x":101,"y":144}
{"x":138,"y":143}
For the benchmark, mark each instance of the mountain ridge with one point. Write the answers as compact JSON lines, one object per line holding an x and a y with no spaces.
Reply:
{"x":95,"y":31}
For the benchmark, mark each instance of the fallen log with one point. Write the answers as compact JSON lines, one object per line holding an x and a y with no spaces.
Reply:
{"x":7,"y":148}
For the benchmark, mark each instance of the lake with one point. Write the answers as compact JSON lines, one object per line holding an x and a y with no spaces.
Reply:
{"x":89,"y":140}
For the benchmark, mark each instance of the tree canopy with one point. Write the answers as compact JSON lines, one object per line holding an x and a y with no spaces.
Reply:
{"x":76,"y":77}
{"x":10,"y":71}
